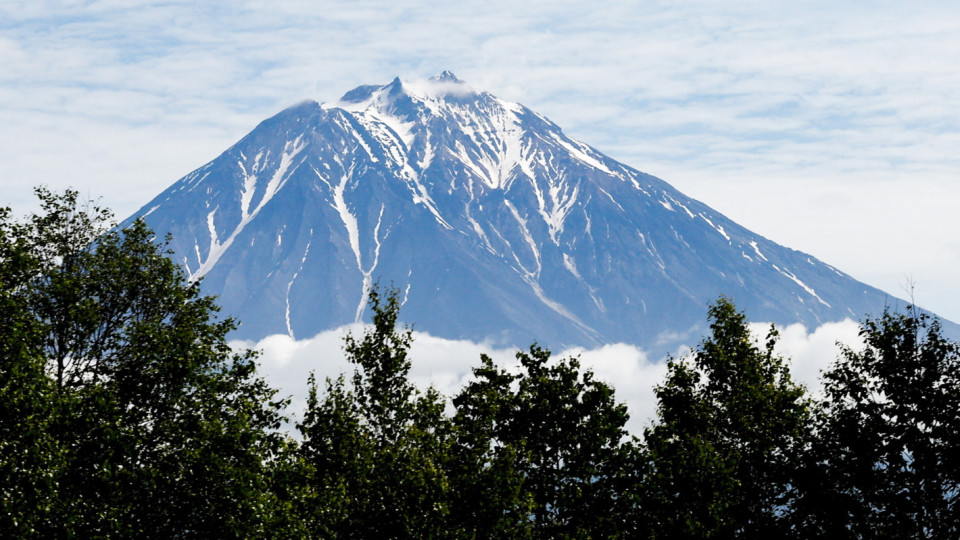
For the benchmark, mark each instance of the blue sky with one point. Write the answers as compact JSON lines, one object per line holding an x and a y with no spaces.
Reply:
{"x":833,"y":128}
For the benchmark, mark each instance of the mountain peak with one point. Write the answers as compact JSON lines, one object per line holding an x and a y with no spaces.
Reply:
{"x":443,"y":87}
{"x":446,"y":76}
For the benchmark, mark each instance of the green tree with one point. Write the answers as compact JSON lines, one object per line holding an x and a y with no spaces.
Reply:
{"x":123,"y":375}
{"x":488,"y":499}
{"x":730,"y":431}
{"x":30,"y":456}
{"x":886,"y":462}
{"x":373,"y":451}
{"x":541,"y":453}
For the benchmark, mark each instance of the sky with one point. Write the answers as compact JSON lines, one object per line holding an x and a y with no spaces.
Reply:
{"x":829,"y":127}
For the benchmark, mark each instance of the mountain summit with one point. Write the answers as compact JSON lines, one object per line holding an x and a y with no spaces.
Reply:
{"x":491,"y":221}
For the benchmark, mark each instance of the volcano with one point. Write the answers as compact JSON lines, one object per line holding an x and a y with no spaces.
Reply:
{"x":491,"y":222}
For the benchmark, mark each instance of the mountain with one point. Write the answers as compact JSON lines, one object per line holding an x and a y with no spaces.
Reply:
{"x":491,"y":221}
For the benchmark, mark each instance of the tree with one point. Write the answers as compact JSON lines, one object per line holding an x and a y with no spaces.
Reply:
{"x":29,"y":455}
{"x":885,"y":459}
{"x":540,"y":453}
{"x":488,"y":499}
{"x":731,"y":428}
{"x":374,"y":450}
{"x":152,"y":425}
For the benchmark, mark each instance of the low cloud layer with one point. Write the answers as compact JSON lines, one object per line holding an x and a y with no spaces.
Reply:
{"x":446,"y":364}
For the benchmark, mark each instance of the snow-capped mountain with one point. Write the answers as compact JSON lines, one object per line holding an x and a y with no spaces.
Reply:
{"x":492,"y":223}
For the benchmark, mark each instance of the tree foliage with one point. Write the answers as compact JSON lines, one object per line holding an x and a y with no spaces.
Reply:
{"x":886,"y":462}
{"x":539,"y":453}
{"x":533,"y":454}
{"x":123,"y":412}
{"x":730,"y":432}
{"x":488,"y":499}
{"x":30,"y":457}
{"x":139,"y":417}
{"x":374,"y":450}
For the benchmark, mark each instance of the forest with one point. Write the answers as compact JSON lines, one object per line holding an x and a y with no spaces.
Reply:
{"x":125,"y":413}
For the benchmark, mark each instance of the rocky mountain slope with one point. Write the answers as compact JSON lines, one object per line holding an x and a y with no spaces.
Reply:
{"x":492,"y":223}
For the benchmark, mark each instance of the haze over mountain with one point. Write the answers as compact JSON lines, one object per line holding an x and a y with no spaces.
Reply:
{"x":492,"y":223}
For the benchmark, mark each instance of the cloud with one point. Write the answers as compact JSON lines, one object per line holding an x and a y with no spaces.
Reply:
{"x":446,"y":364}
{"x":811,"y":352}
{"x":632,"y":374}
{"x":432,"y":88}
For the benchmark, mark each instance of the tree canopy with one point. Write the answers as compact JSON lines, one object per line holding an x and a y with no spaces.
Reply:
{"x":373,"y":451}
{"x":731,"y":428}
{"x":541,"y":453}
{"x":124,"y":412}
{"x":884,"y":463}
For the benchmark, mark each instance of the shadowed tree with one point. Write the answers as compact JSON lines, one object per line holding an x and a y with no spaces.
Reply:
{"x":124,"y":380}
{"x":374,"y":450}
{"x":540,"y":453}
{"x":885,"y":461}
{"x":731,"y":428}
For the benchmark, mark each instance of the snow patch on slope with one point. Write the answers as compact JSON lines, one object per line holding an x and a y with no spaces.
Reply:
{"x":353,"y":235}
{"x":582,"y":152}
{"x":290,"y":151}
{"x":303,"y":261}
{"x":802,"y":285}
